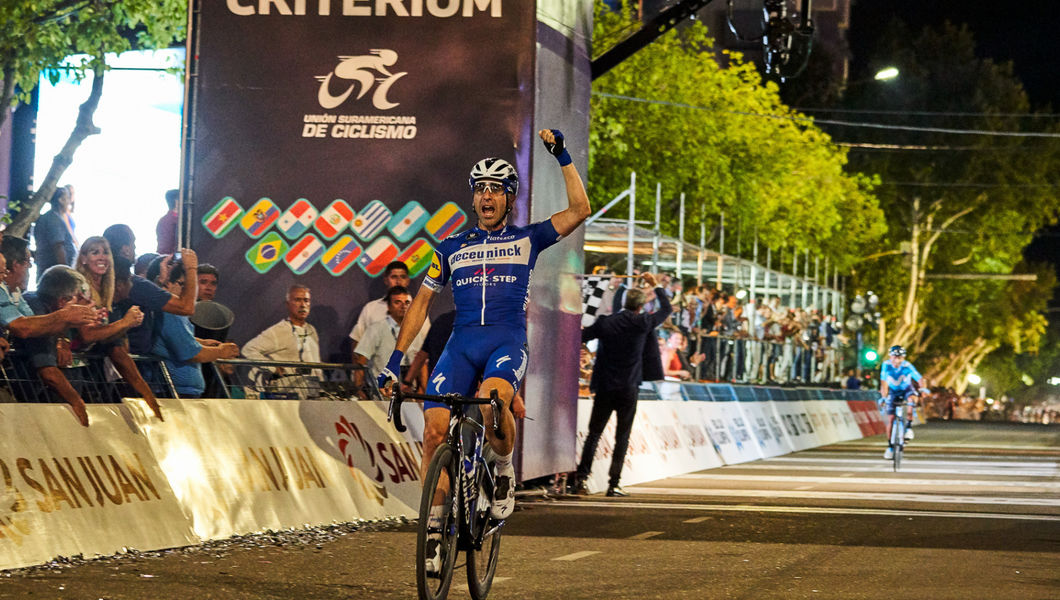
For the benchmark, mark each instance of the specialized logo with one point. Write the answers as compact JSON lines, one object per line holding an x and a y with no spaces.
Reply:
{"x":522,"y":367}
{"x":502,"y":360}
{"x":362,"y":72}
{"x":438,"y":380}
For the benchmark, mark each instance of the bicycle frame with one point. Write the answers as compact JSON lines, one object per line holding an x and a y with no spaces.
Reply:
{"x":474,"y":472}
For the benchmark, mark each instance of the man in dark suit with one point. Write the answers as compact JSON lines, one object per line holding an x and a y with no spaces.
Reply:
{"x":617,"y":375}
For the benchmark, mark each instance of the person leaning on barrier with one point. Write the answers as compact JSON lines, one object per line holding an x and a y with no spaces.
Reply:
{"x":291,"y":340}
{"x":616,"y":376}
{"x":174,"y":342}
{"x":59,"y":288}
{"x":381,"y":338}
{"x":15,"y":313}
{"x":151,"y":298}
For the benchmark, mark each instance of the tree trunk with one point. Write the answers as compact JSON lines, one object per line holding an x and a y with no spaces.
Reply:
{"x":84,"y":127}
{"x":7,"y":94}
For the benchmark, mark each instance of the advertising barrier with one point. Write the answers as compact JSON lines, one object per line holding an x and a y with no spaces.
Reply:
{"x":69,"y":489}
{"x":212,"y":469}
{"x":219,"y":467}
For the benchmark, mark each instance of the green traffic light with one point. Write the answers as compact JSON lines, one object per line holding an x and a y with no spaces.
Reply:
{"x":871,"y":356}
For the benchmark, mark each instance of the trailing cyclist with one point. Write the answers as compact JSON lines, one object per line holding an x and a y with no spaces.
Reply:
{"x":899,"y":384}
{"x":490,"y":266}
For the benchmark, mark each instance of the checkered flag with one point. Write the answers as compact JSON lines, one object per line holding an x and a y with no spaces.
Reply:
{"x":593,"y":288}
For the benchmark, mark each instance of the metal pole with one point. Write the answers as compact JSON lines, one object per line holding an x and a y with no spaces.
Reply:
{"x":681,"y":238}
{"x":632,"y":218}
{"x":794,"y":275}
{"x":754,"y":267}
{"x":658,"y":228}
{"x":806,"y":278}
{"x":816,"y":287}
{"x":769,"y":268}
{"x":721,"y":250}
{"x":702,"y":247}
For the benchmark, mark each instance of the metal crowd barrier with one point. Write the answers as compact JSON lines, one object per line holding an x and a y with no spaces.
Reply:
{"x":747,"y":360}
{"x":97,"y":382}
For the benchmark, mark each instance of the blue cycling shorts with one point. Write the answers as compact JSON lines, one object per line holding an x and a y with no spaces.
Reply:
{"x":895,"y":397}
{"x":475,"y":354}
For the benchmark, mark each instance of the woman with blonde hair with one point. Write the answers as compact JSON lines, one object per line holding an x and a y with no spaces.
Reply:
{"x":95,"y":262}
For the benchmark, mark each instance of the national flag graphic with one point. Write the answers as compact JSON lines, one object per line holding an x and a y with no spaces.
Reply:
{"x":298,"y":219}
{"x":223,"y":217}
{"x":259,"y":218}
{"x":265,"y":254}
{"x":304,"y":254}
{"x":371,"y":220}
{"x":341,"y":255}
{"x":377,"y":256}
{"x":417,"y":256}
{"x":407,"y":221}
{"x":334,"y":219}
{"x":446,"y":221}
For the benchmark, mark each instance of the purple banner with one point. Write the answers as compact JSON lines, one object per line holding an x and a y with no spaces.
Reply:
{"x":331,"y":138}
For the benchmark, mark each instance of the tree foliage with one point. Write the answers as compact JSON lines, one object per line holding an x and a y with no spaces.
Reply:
{"x":957,"y":204}
{"x":728,"y":142}
{"x":39,"y":35}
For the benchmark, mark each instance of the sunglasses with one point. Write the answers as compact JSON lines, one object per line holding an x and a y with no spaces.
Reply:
{"x":491,"y":187}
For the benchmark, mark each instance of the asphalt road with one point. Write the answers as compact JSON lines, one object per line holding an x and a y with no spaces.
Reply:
{"x":974,"y":513}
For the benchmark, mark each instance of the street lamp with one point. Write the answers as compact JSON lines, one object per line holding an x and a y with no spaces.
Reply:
{"x":886,"y":74}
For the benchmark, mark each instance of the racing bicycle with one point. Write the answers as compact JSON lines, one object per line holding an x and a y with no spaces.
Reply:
{"x":467,"y":525}
{"x":897,"y":439}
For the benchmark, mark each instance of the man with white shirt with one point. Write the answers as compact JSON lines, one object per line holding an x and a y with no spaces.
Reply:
{"x":381,"y":337}
{"x":396,"y":274}
{"x":291,"y":340}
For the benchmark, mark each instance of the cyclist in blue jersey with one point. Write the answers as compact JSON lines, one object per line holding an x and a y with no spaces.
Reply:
{"x":899,"y":382}
{"x":489,"y":267}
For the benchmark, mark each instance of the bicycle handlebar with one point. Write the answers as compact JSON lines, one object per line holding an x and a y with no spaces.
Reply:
{"x":393,"y":412}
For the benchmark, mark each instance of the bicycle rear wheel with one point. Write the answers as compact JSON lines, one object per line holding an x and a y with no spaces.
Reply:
{"x":897,"y":443}
{"x":482,"y":563}
{"x":436,"y":587}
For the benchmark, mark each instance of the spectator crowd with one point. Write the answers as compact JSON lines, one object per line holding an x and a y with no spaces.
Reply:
{"x":102,"y":323}
{"x":715,"y":335}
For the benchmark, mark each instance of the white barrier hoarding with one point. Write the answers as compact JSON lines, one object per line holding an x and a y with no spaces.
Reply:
{"x":69,"y":489}
{"x":668,"y":438}
{"x":765,"y":427}
{"x":239,"y":466}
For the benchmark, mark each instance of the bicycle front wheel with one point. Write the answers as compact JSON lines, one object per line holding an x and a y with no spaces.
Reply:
{"x":435,"y":586}
{"x":482,"y":562}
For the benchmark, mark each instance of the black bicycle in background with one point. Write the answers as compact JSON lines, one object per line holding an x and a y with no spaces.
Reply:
{"x":461,"y":474}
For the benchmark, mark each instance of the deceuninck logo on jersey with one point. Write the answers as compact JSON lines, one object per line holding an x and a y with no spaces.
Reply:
{"x":356,"y":83}
{"x":515,"y":252}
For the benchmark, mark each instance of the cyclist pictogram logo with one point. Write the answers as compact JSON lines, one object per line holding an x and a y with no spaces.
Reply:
{"x":363,"y":73}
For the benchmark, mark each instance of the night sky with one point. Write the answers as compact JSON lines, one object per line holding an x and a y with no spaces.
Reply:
{"x":1023,"y":32}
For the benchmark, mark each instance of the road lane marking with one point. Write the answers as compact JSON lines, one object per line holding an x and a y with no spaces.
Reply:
{"x":807,"y":510}
{"x":1044,"y":486}
{"x":645,"y":535}
{"x":888,"y":496}
{"x":908,"y":466}
{"x":577,"y":555}
{"x":698,"y":519}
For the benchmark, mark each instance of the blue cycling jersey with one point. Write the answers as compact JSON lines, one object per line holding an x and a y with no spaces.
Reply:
{"x":899,"y":378}
{"x":490,"y":272}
